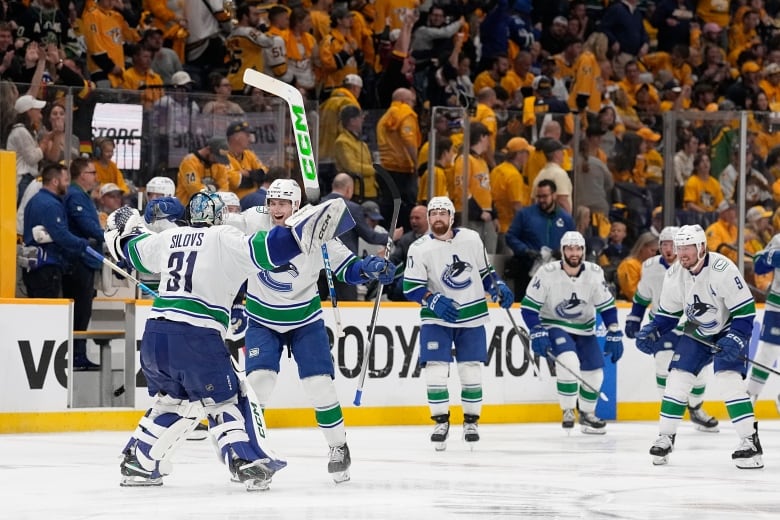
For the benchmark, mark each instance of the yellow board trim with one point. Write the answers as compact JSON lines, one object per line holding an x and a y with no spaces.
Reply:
{"x":126,"y":420}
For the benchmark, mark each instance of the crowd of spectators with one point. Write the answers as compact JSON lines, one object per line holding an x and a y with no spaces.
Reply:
{"x":521,"y":70}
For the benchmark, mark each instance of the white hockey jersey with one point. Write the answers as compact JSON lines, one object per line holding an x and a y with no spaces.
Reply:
{"x":456,"y":268}
{"x":711,"y":299}
{"x":648,"y":291}
{"x":286,"y":297}
{"x":569,"y":303}
{"x":201,"y":270}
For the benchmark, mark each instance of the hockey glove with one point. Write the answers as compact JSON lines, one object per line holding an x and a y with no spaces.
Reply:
{"x":376,"y":268}
{"x":762,"y":261}
{"x":632,"y":325}
{"x":164,"y":208}
{"x":613,"y":344}
{"x":730,"y":347}
{"x":502,"y":294}
{"x":646,"y":338}
{"x":238,"y":321}
{"x":540,"y":341}
{"x":443,"y":307}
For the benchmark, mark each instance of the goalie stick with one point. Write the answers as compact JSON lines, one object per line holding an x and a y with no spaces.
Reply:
{"x":300,"y":127}
{"x":118,"y":270}
{"x":521,"y":333}
{"x":381,"y":173}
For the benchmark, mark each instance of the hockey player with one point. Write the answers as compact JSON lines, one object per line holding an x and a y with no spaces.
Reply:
{"x":709,"y":291}
{"x":766,"y":261}
{"x":559,"y":308}
{"x":447,"y":273}
{"x":648,"y":293}
{"x":283,"y":307}
{"x":183,"y":354}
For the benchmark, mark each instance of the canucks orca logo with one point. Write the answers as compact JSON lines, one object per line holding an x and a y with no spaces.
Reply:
{"x":457,"y":274}
{"x":269,"y":281}
{"x":697,"y":312}
{"x":571,"y":308}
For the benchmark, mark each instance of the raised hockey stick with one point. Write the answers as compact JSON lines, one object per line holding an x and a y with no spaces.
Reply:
{"x":715,"y":348}
{"x":332,"y":291}
{"x":118,"y":270}
{"x":300,"y":126}
{"x":525,"y":339}
{"x":372,"y":326}
{"x":582,"y":382}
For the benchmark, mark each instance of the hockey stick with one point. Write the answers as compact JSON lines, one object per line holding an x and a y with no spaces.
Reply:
{"x":716,"y":349}
{"x":118,"y":270}
{"x":582,"y":382}
{"x":372,"y":326}
{"x":300,"y":126}
{"x":332,"y":290}
{"x":521,"y":333}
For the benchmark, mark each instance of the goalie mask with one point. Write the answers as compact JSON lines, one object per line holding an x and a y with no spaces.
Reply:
{"x":206,"y":209}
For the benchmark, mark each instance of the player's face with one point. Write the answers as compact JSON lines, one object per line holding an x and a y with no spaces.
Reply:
{"x":150,"y":195}
{"x":688,"y":255}
{"x":439,"y":220}
{"x":279,"y":210}
{"x":572,"y":255}
{"x":667,"y":251}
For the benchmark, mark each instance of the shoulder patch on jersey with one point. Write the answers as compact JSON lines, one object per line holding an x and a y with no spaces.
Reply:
{"x":721,"y":264}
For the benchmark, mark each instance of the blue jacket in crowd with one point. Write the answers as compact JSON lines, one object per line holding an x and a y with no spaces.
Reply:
{"x":532,"y":228}
{"x":83,"y":221}
{"x":48,"y":210}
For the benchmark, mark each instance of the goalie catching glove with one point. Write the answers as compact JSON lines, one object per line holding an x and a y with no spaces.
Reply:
{"x":122,"y":224}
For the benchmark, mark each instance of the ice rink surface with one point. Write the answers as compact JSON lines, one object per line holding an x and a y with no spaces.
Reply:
{"x":516,"y":471}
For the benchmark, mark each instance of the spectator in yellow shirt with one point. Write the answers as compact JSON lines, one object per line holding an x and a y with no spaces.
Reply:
{"x":246,"y":173}
{"x":629,"y":271}
{"x":492,"y":76}
{"x":445,"y":152}
{"x":203,"y":169}
{"x":107,"y":170}
{"x":351,"y":153}
{"x":722,"y":234}
{"x":141,"y":77}
{"x":508,"y":187}
{"x":702,"y":191}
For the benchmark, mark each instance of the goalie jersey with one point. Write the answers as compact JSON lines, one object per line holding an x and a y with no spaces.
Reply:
{"x":712,"y":299}
{"x":569,"y":302}
{"x":201,"y":270}
{"x":286,"y":297}
{"x":457,"y":269}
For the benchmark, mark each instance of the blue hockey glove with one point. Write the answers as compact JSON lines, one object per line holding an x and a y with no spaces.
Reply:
{"x":632,"y":325}
{"x":613,"y":344}
{"x":646,"y":339}
{"x":443,"y":307}
{"x":762,"y":261}
{"x":502,"y":294}
{"x":164,"y":208}
{"x":731,"y":346}
{"x":238,"y":320}
{"x":540,"y":340}
{"x":376,"y":268}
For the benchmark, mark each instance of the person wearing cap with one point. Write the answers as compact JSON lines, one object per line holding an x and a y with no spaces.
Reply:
{"x":205,"y":168}
{"x":770,"y":83}
{"x":373,"y":219}
{"x":554,"y":35}
{"x":78,"y":282}
{"x":22,"y":139}
{"x":165,"y":61}
{"x":104,"y":36}
{"x":398,"y":138}
{"x":673,"y":98}
{"x":546,"y":106}
{"x":351,"y":153}
{"x":508,"y":187}
{"x":632,"y":82}
{"x":747,"y":86}
{"x":549,"y":69}
{"x":330,"y":117}
{"x":442,"y":172}
{"x":340,"y":54}
{"x":140,"y":76}
{"x":245,"y":170}
{"x":722,"y":234}
{"x":109,"y":199}
{"x":649,"y":161}
{"x":553,"y":152}
{"x":758,"y":233}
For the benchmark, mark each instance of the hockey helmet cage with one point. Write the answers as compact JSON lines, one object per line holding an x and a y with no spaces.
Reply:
{"x":206,"y":208}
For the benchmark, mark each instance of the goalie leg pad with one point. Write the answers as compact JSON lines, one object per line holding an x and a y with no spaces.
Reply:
{"x":470,"y":374}
{"x":436,"y":375}
{"x":313,"y":226}
{"x":321,"y":392}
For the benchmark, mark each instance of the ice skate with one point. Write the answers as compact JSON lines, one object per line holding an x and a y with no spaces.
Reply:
{"x":568,"y":420}
{"x":470,"y":430}
{"x":134,"y":475}
{"x":255,"y":475}
{"x":440,"y":432}
{"x":748,"y":453}
{"x":591,"y":424}
{"x":339,"y":463}
{"x":661,"y":449}
{"x":200,"y":432}
{"x":701,"y":420}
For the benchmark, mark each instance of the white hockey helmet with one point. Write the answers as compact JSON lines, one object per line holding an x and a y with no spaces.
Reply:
{"x":231,"y":201}
{"x":668,"y":233}
{"x":573,"y":238}
{"x":206,"y":208}
{"x":437,"y":203}
{"x":285,"y":189}
{"x":690,"y":235}
{"x":162,"y":186}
